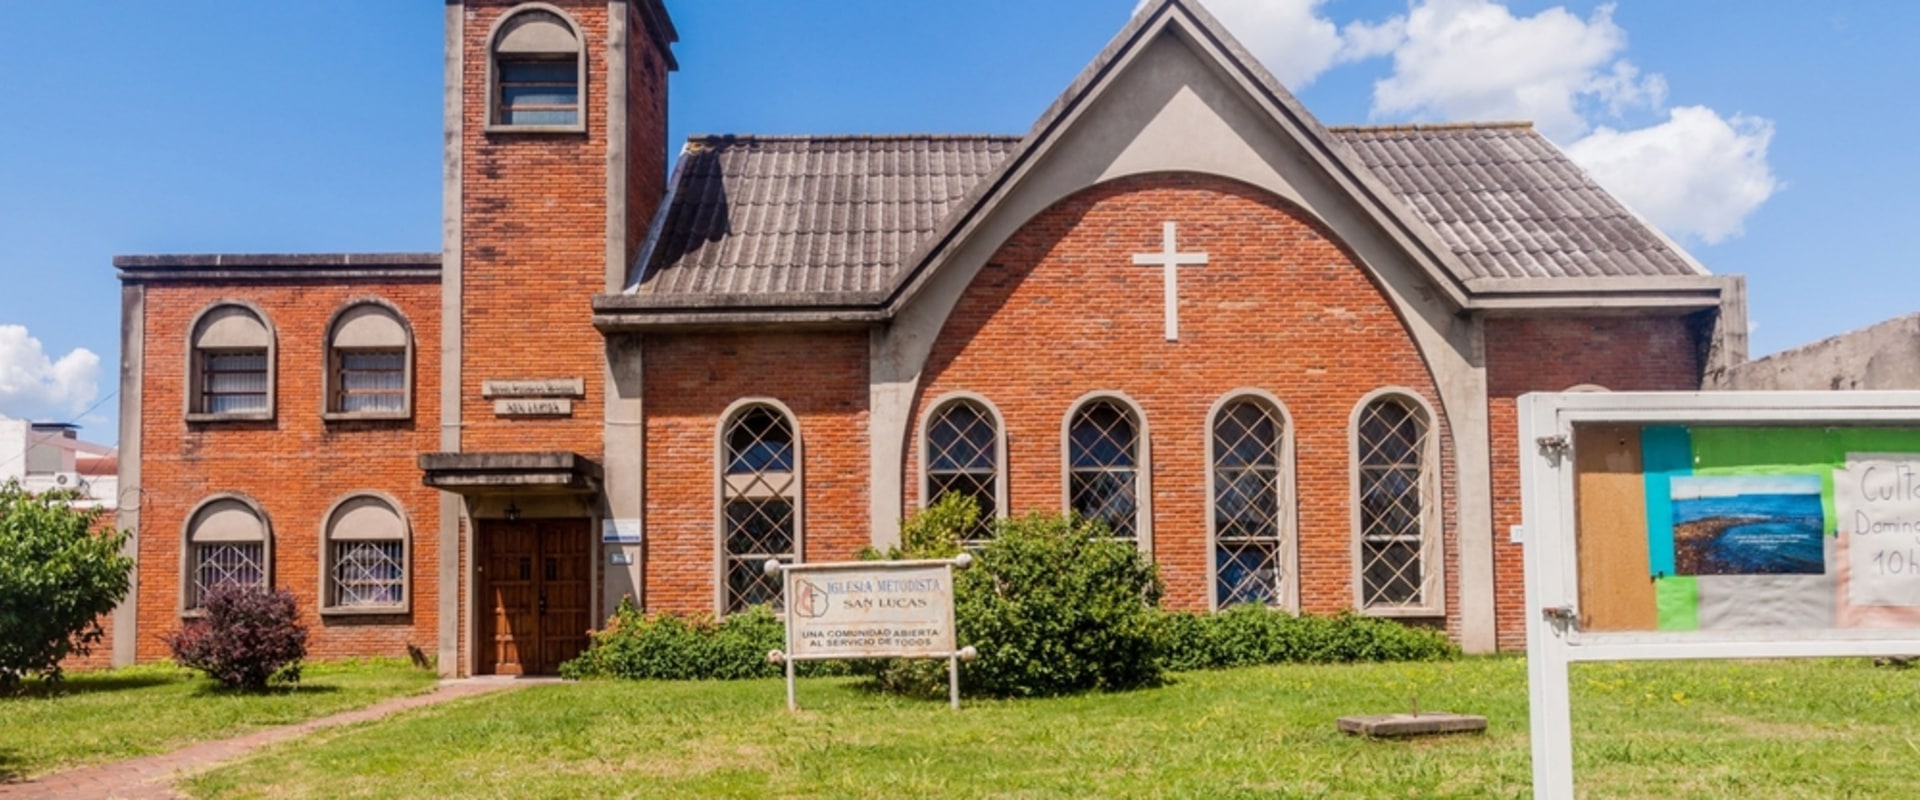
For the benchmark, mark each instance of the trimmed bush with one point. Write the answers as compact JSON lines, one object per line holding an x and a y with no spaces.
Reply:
{"x":246,"y":638}
{"x":1249,"y":635}
{"x":678,"y":648}
{"x":1057,"y":606}
{"x":57,"y":577}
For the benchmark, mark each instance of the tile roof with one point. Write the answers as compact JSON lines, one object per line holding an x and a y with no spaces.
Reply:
{"x":1510,"y":204}
{"x":815,"y":220}
{"x":824,"y":216}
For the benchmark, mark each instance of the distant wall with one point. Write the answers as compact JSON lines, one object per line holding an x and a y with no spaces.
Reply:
{"x":1884,"y":356}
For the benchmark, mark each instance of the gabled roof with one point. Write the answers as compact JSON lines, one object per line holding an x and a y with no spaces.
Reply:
{"x":807,"y":217}
{"x":846,"y":228}
{"x":1510,"y":204}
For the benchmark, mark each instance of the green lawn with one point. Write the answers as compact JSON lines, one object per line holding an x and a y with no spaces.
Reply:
{"x":94,"y":717}
{"x":1751,"y":730}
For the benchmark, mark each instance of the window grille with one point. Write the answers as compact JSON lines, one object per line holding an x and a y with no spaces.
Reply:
{"x":227,"y":564}
{"x":963,"y":456}
{"x":1248,"y":520}
{"x":367,"y":574}
{"x":539,"y":92}
{"x":233,"y":381}
{"x":760,"y":492}
{"x":1103,"y":450}
{"x":1392,"y":445}
{"x":372,"y":380}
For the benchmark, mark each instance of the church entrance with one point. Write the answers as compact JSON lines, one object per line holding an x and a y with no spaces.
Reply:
{"x":535,"y":589}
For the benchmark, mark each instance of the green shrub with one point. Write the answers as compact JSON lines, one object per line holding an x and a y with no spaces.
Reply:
{"x":1248,"y":635}
{"x":1056,"y":606}
{"x":673,"y":647}
{"x":57,"y":577}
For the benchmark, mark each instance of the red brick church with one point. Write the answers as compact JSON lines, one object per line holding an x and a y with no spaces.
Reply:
{"x":1281,"y":357}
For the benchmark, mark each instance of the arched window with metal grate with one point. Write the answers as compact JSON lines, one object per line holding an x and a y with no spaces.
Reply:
{"x":1106,"y":465}
{"x":1252,"y":515}
{"x":1397,"y":553}
{"x":961,"y":452}
{"x":759,"y":500}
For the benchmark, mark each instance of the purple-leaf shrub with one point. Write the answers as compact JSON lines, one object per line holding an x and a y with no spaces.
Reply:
{"x":246,"y":637}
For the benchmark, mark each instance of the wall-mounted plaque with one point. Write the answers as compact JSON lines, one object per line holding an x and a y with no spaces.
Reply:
{"x":534,"y":407}
{"x":539,"y":387}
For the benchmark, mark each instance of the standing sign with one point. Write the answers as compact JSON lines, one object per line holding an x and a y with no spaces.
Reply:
{"x":1668,"y":525}
{"x":871,"y":609}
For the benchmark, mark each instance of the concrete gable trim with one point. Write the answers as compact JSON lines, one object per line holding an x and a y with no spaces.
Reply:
{"x":1205,"y":34}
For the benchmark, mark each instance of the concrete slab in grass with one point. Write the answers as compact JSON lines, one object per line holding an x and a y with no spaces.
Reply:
{"x":1403,"y":726}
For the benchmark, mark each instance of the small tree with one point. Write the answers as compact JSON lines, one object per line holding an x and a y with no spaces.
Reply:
{"x":246,"y":638}
{"x":58,"y":575}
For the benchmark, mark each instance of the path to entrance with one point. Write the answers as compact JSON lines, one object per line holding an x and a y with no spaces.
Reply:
{"x":153,"y":776}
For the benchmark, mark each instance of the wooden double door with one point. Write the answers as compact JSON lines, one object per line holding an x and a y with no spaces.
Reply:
{"x":535,"y":586}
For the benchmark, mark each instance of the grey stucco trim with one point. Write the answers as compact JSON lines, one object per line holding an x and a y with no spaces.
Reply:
{"x":450,"y":545}
{"x":622,"y":429}
{"x":1727,"y":347}
{"x":133,"y":336}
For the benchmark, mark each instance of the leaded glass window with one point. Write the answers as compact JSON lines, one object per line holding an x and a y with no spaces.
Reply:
{"x":1391,"y":445}
{"x":233,"y":381}
{"x":1249,"y":522}
{"x":1103,"y":466}
{"x":760,"y":493}
{"x":963,"y":456}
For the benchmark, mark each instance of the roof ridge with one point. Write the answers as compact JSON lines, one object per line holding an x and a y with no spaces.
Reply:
{"x":1513,"y":124}
{"x":703,"y":138}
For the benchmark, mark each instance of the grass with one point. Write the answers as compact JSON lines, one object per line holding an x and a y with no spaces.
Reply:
{"x":1747,"y":729}
{"x":94,"y":717}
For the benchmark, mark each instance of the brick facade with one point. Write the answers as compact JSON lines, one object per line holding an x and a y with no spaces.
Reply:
{"x":1280,"y":306}
{"x":1617,"y":353}
{"x":690,"y":382}
{"x":296,"y":466}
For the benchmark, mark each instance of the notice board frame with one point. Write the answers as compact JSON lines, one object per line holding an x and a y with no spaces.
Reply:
{"x":1549,"y":527}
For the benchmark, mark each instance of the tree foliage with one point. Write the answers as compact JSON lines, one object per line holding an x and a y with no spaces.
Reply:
{"x":58,"y":575}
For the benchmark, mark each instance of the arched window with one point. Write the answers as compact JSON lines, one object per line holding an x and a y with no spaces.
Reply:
{"x":231,"y":365}
{"x":228,"y":543}
{"x":1398,"y":563}
{"x":961,"y":454}
{"x":537,"y":71}
{"x":369,"y":364}
{"x":1252,"y":520}
{"x":365,"y":547}
{"x":1106,"y":466}
{"x":760,"y":503}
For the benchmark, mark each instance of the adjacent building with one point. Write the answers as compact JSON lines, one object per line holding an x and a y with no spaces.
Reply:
{"x":1279,"y":357}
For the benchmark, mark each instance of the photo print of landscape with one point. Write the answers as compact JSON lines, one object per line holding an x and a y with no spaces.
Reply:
{"x":1748,"y":525}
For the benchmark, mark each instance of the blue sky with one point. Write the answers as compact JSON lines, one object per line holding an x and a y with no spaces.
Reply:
{"x":1769,"y":144}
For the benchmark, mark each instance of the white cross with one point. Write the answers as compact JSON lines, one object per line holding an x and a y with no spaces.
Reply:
{"x":1168,"y":259}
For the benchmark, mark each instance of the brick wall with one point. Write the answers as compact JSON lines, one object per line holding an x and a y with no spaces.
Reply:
{"x":690,"y":381}
{"x":295,"y":466}
{"x":534,"y":252}
{"x":1551,"y":355}
{"x":1061,"y":311}
{"x":646,"y":129}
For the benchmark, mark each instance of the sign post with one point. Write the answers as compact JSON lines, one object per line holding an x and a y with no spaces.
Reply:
{"x":870,"y":609}
{"x":1702,"y":525}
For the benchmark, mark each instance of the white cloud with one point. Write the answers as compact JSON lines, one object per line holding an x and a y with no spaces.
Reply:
{"x":1697,"y":174}
{"x":1473,"y":59}
{"x":1289,"y":36}
{"x":35,"y":386}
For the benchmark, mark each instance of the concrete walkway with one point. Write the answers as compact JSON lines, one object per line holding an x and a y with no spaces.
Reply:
{"x":153,"y":776}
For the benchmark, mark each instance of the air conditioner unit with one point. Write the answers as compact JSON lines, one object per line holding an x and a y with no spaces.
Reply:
{"x":68,"y":480}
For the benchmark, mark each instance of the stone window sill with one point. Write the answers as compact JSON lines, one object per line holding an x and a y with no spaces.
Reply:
{"x":367,"y":611}
{"x":541,"y":129}
{"x":366,"y":416}
{"x":1404,"y":612}
{"x":230,"y":416}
